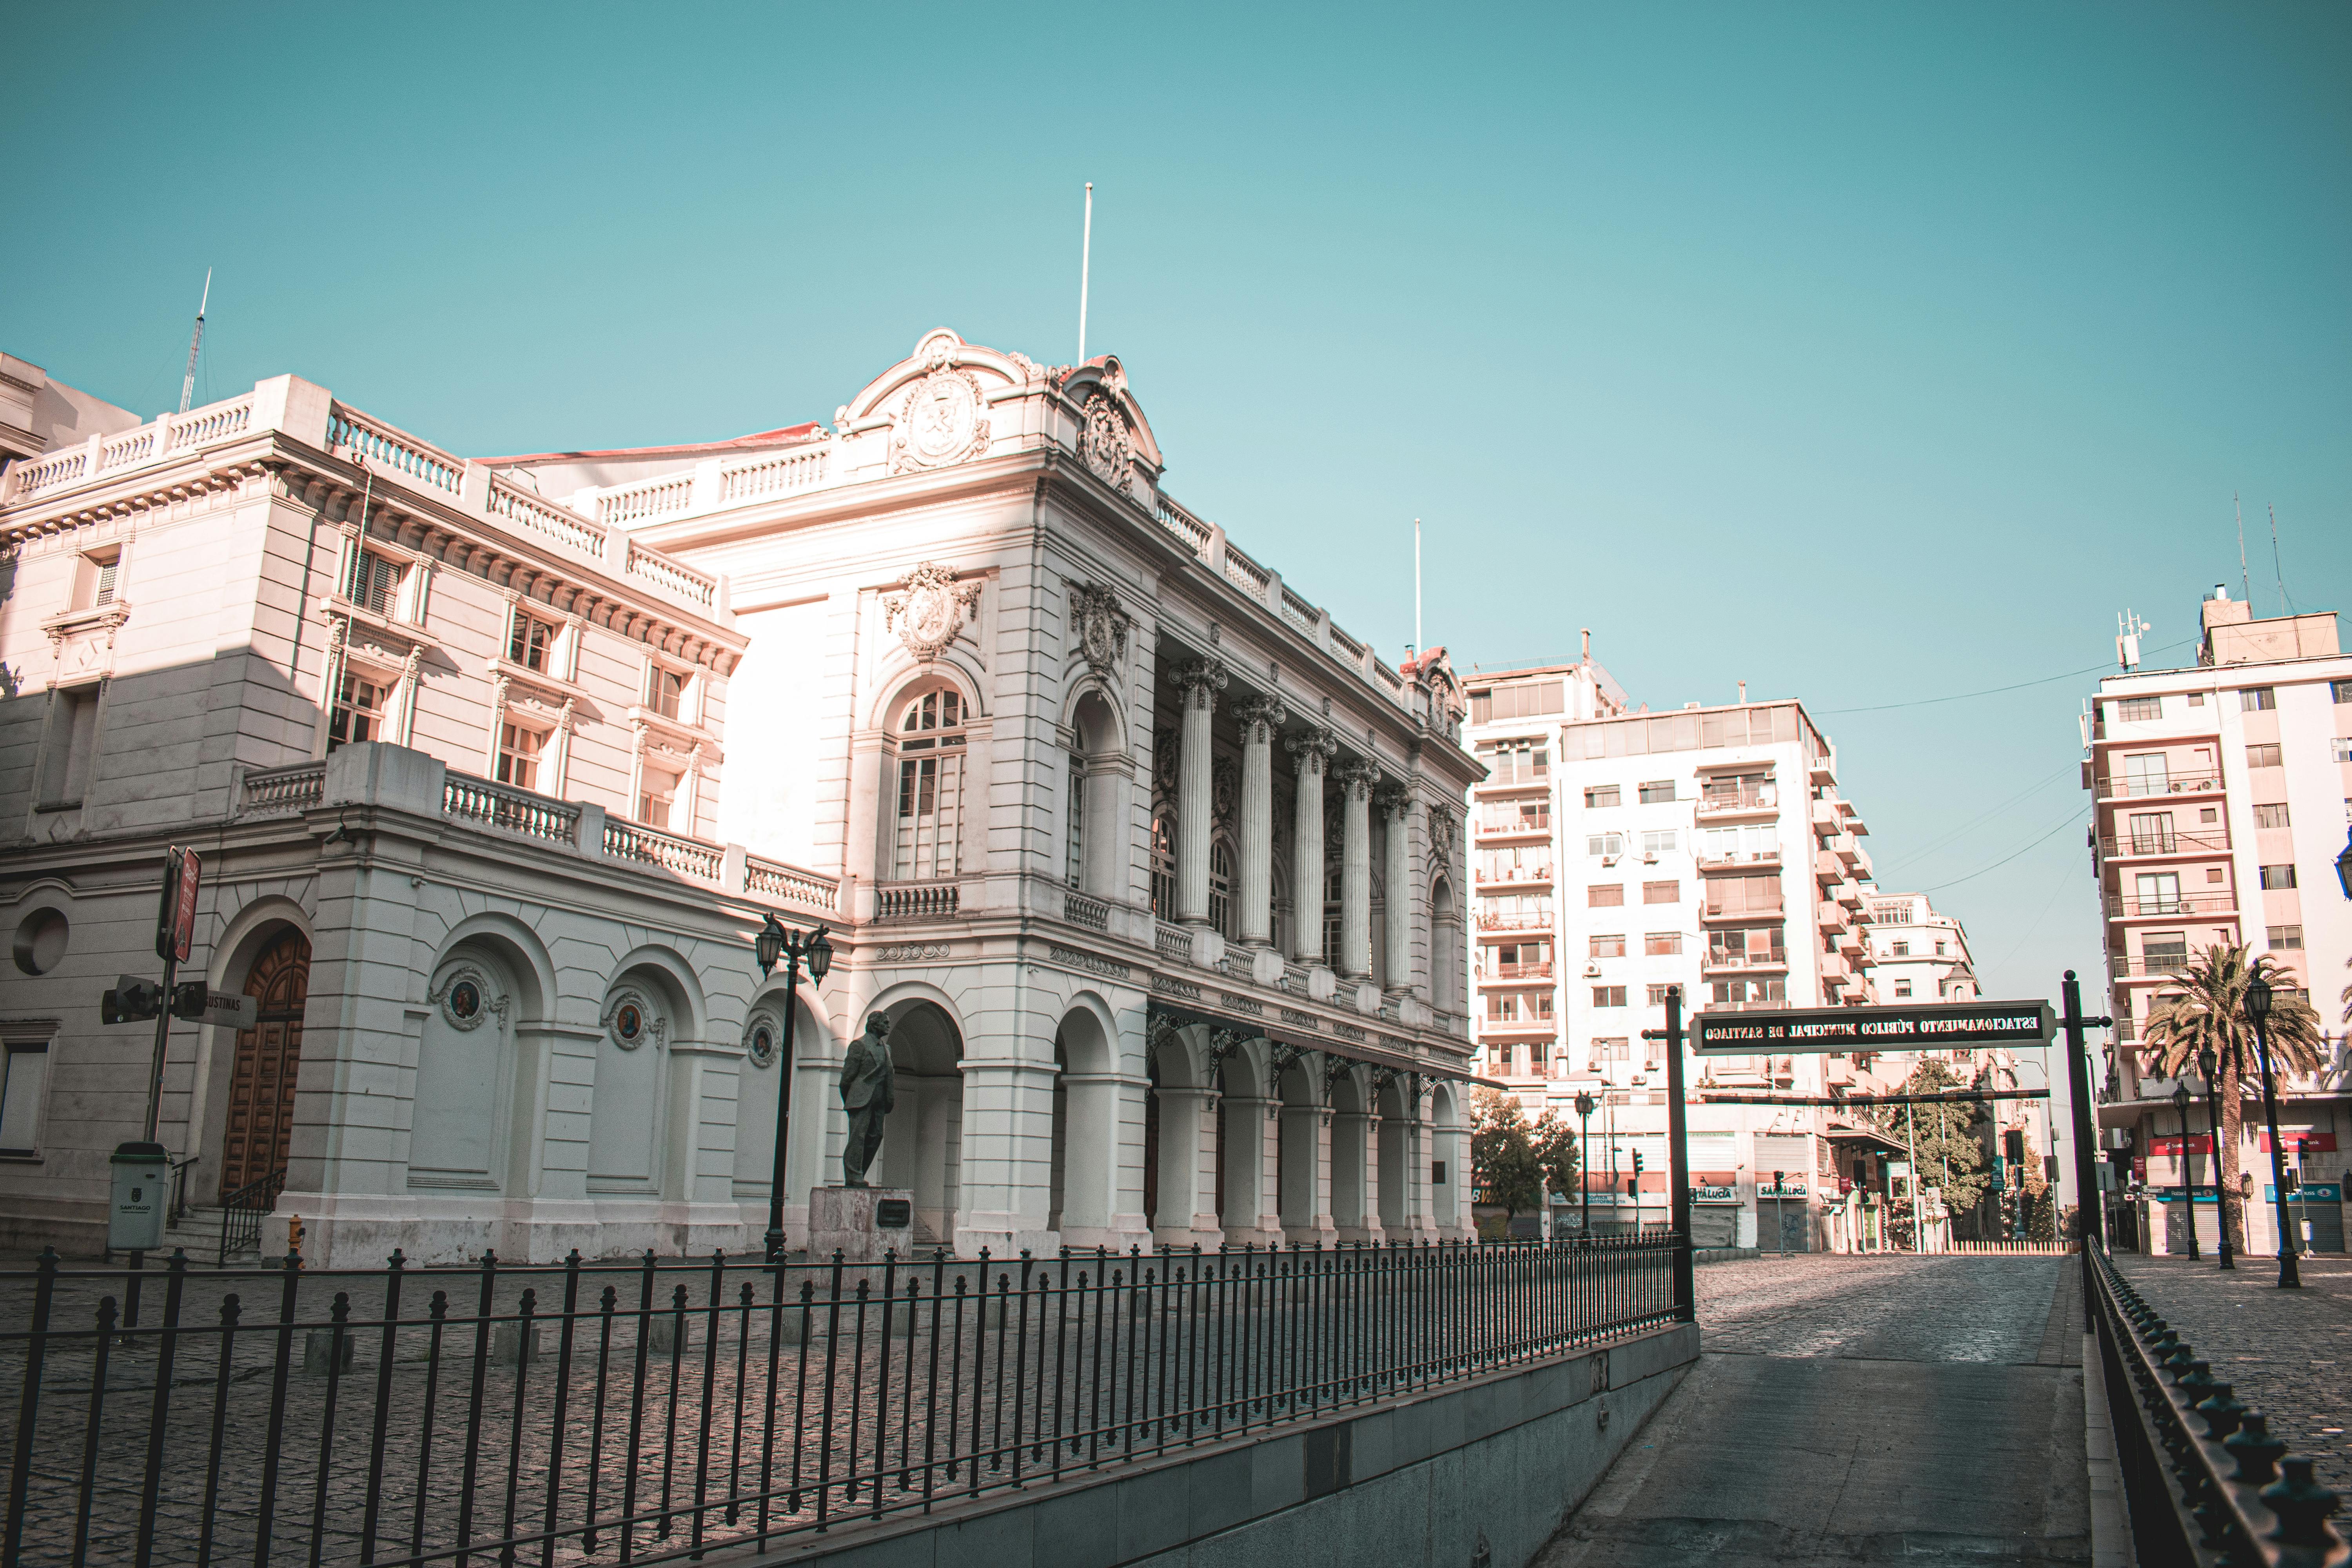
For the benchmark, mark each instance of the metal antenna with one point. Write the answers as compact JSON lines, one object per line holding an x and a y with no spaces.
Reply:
{"x":2244,"y":592}
{"x":1086,"y":267}
{"x":2284,"y":608}
{"x":188,"y":384}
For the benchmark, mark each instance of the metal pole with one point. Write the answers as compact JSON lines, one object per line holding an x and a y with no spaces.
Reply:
{"x":1911,"y":1147}
{"x":775,"y":1237}
{"x":2221,"y":1207}
{"x":2087,"y":1218}
{"x":2289,"y":1244}
{"x":1678,"y":1162}
{"x":163,"y":1037}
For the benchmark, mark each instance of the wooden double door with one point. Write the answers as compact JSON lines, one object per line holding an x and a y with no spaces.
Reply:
{"x":259,"y":1130}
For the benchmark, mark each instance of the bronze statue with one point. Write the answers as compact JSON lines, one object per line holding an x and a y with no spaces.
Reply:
{"x":867,"y":1087}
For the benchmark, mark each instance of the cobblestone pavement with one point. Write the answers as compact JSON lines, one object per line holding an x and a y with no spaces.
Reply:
{"x":1923,"y":1411}
{"x":2285,"y":1352}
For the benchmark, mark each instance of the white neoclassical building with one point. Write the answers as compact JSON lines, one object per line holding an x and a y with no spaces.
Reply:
{"x":497,"y":764}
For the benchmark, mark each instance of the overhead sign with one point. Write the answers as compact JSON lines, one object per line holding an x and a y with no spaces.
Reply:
{"x":1928,"y":1027}
{"x":175,"y":922}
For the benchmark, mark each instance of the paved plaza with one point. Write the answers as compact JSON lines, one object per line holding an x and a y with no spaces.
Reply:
{"x":2287,"y":1354}
{"x":1862,"y":1410}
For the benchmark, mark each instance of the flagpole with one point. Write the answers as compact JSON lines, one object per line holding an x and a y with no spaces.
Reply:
{"x":1086,"y":267}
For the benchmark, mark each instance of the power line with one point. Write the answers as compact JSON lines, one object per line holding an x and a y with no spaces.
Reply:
{"x":2074,"y":817}
{"x":1987,"y":692}
{"x":1925,"y":850}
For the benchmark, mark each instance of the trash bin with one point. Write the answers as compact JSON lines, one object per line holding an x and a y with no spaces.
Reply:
{"x":134,"y":1221}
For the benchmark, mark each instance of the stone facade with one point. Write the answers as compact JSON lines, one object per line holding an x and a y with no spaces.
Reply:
{"x":497,"y":765}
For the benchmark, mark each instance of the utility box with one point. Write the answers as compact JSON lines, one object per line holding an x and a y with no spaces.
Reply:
{"x":134,"y":1222}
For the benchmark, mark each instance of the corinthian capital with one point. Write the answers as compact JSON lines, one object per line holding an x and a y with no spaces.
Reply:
{"x":1394,"y":800}
{"x":1260,"y":716}
{"x":1313,"y":747}
{"x":1357,"y":777}
{"x":1200,"y":680}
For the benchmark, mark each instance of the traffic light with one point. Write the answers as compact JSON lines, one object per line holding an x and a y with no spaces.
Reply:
{"x":2015,"y":1139}
{"x":1776,"y":1180}
{"x":1637,"y":1162}
{"x":129,"y":1002}
{"x":188,"y":999}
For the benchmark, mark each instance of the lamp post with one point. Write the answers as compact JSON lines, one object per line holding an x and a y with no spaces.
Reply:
{"x":2211,"y":1069}
{"x":1584,"y":1103}
{"x":2187,"y":1164}
{"x":2258,"y":1008}
{"x":2344,"y":865}
{"x":774,"y":942}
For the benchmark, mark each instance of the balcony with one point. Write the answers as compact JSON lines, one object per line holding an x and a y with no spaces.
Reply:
{"x":2173,"y":906}
{"x":2164,"y":843}
{"x":1754,"y":800}
{"x":1738,"y":859}
{"x":1752,"y":958}
{"x":1775,"y":1004}
{"x":1515,"y":876}
{"x":2122,"y":967}
{"x":1828,"y":869}
{"x":1503,"y":972}
{"x":1516,"y":922}
{"x":1823,"y":814}
{"x":2147,"y":786}
{"x":1847,"y":852}
{"x":1829,"y":917}
{"x":1850,"y":895}
{"x":1517,"y":779}
{"x":1711,"y":911}
{"x":1518,"y":1028}
{"x":1498,"y":825}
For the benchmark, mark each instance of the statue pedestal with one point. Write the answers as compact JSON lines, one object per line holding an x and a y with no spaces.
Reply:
{"x":861,"y":1224}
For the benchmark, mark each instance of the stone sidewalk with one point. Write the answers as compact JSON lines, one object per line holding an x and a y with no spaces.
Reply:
{"x":2287,"y":1354}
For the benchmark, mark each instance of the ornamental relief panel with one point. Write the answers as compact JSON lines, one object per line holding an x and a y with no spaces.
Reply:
{"x":942,"y":422}
{"x":932,"y":610}
{"x":1104,"y":444}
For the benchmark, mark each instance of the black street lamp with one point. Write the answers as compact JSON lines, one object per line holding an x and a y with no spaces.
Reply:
{"x":2344,"y":865}
{"x":2212,"y":1070}
{"x":774,"y":942}
{"x":2258,"y":1008}
{"x":1584,"y":1104}
{"x":2187,"y":1164}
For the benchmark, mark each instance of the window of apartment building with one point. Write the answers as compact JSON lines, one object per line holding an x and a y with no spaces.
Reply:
{"x":1748,"y":944}
{"x":2339,"y":691}
{"x":1900,"y":950}
{"x":1604,"y":844}
{"x":1515,"y":863}
{"x":1515,"y":816}
{"x":358,"y":715}
{"x":24,"y":1069}
{"x":1658,"y":993}
{"x":1518,"y":1006}
{"x":2278,"y":877}
{"x":1939,"y":949}
{"x":1609,"y":995}
{"x":1730,"y":791}
{"x":1520,"y":959}
{"x":2263,"y":756}
{"x":656,"y":797}
{"x":1613,"y":1048}
{"x":374,"y":582}
{"x":666,"y":693}
{"x":2283,"y":937}
{"x":69,"y":746}
{"x":2340,"y":748}
{"x":1740,"y":841}
{"x":531,"y":642}
{"x":94,"y":579}
{"x":1746,"y":992}
{"x":1659,"y":841}
{"x":2133,"y":708}
{"x":519,"y":747}
{"x":1600,"y":795}
{"x":1604,"y":896}
{"x":1527,"y":699}
{"x":931,"y":756}
{"x":2158,"y":893}
{"x":1752,"y":893}
{"x":1657,"y":792}
{"x":2209,"y":814}
{"x":2255,"y":699}
{"x":1670,"y":892}
{"x":2196,"y":699}
{"x":1517,"y":761}
{"x":1903,"y":988}
{"x":1609,"y":945}
{"x":2151,"y":832}
{"x":2213,"y":876}
{"x":2146,"y":773}
{"x":2164,"y":951}
{"x":1661,"y":943}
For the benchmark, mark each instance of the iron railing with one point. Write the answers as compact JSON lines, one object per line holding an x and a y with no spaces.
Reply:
{"x":643,"y":1411}
{"x":2203,"y":1478}
{"x":242,"y":1213}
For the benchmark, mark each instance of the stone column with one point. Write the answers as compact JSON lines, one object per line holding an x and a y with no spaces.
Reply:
{"x":1260,"y":716}
{"x":1197,"y":684}
{"x":1313,"y":748}
{"x":1356,"y":781}
{"x":1396,"y":823}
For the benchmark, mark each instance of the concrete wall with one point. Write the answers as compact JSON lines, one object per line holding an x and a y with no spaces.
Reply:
{"x":1491,"y":1466}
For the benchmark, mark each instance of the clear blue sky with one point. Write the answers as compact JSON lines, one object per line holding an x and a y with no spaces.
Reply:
{"x":1865,"y":353}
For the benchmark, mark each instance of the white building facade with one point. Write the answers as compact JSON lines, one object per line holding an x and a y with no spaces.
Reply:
{"x":497,"y":765}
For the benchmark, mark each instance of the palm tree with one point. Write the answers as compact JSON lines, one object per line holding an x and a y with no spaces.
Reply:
{"x":2204,"y":1008}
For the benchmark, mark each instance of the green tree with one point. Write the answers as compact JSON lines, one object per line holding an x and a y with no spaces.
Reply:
{"x":1951,"y":1157}
{"x":1503,"y":1157}
{"x":2204,"y":1008}
{"x":1553,"y":1137}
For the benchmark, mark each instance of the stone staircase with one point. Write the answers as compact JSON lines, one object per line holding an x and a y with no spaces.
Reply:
{"x":198,"y":1233}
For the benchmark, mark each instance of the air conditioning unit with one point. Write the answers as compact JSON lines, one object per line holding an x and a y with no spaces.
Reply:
{"x":1649,"y":857}
{"x":1608,"y":860}
{"x":1592,"y":971}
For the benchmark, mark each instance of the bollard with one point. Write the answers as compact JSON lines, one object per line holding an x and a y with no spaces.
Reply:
{"x":318,"y":1351}
{"x":507,"y":1340}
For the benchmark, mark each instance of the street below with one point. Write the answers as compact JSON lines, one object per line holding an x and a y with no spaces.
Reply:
{"x":1859,"y":1410}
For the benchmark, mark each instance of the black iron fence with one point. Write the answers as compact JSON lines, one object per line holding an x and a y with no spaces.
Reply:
{"x":2204,"y":1479}
{"x":611,"y":1412}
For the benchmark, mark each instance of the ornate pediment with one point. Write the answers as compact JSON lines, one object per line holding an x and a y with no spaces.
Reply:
{"x":943,"y":419}
{"x":83,"y":641}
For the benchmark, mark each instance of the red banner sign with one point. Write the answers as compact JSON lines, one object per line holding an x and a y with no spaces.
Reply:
{"x":2299,"y":1142}
{"x":2198,"y":1143}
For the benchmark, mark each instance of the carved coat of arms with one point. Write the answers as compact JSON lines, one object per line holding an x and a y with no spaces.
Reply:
{"x":1104,"y":444}
{"x":942,"y":422}
{"x":1101,"y":626}
{"x":927,"y":615}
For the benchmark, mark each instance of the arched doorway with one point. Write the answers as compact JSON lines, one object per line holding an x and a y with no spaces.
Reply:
{"x":258,"y":1132}
{"x":922,"y":1141}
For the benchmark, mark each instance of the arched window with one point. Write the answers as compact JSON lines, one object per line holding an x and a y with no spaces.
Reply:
{"x":1163,"y":866}
{"x":1331,"y":919}
{"x":931,"y":788}
{"x":1221,"y":887}
{"x":1078,"y":821}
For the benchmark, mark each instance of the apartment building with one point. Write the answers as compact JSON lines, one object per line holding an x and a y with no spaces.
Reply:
{"x":1618,"y":853}
{"x":2220,"y":796}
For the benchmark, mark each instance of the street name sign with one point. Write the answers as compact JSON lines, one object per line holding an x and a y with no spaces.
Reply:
{"x":1924,"y":1027}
